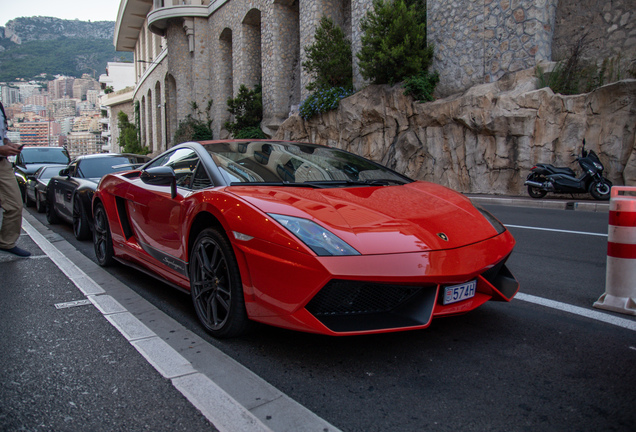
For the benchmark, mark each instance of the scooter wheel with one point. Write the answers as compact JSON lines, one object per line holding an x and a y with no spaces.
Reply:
{"x":536,"y":192}
{"x":600,"y":190}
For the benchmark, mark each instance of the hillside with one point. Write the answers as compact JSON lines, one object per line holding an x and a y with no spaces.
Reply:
{"x":36,"y":45}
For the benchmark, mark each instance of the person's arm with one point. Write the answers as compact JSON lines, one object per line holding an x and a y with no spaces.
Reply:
{"x":9,"y":148}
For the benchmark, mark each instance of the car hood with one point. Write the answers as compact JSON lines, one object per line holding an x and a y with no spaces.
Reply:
{"x":418,"y":216}
{"x":30,"y":169}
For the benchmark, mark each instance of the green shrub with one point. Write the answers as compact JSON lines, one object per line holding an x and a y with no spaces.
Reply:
{"x":322,"y":101}
{"x":129,"y":136}
{"x":192,"y":128}
{"x":247,"y":109}
{"x":329,"y":58}
{"x":421,"y":86}
{"x":253,"y":132}
{"x":575,"y":74}
{"x":393,"y":42}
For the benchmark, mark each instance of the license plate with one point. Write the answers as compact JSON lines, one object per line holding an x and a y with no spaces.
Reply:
{"x":457,"y":293}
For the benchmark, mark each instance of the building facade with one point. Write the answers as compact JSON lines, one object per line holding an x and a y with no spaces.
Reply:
{"x":120,"y":78}
{"x":200,"y":52}
{"x":38,"y":133}
{"x":83,"y":143}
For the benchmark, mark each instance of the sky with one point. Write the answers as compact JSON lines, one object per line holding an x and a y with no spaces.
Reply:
{"x":84,"y":10}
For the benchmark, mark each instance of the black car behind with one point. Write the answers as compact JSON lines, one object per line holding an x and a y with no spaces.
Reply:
{"x":69,"y":194}
{"x":32,"y":158}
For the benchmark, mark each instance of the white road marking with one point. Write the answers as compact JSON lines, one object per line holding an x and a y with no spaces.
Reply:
{"x":218,"y":406}
{"x":556,"y":230}
{"x":564,"y":307}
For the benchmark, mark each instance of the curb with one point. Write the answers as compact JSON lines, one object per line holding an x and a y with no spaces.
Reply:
{"x":554,"y":204}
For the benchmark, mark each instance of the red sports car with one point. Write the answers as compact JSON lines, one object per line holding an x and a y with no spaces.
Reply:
{"x":301,"y":236}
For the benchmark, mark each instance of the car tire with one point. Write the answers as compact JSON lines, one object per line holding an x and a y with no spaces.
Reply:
{"x":102,"y":240}
{"x":51,"y":215}
{"x":80,"y":220}
{"x":215,"y":286}
{"x":28,"y":202}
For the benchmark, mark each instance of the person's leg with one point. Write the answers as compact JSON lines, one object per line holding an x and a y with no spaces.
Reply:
{"x":11,"y":202}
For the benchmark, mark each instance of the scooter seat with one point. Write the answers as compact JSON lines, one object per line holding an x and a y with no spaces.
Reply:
{"x":568,"y":171}
{"x":559,"y":170}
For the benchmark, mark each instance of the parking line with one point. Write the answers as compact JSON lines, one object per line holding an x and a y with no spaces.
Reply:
{"x":556,"y":230}
{"x":595,"y":315}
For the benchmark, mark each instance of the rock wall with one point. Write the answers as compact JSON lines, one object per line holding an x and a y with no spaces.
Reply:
{"x":485,"y":140}
{"x":610,"y":26}
{"x":479,"y":42}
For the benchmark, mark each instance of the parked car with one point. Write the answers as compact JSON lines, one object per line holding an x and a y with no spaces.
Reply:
{"x":32,"y":158}
{"x":70,"y":193}
{"x":301,"y":236}
{"x":37,"y":185}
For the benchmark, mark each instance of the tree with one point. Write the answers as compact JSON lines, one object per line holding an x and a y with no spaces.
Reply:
{"x":329,"y":58}
{"x":247,"y":109}
{"x":393,"y":42}
{"x":128,"y":136}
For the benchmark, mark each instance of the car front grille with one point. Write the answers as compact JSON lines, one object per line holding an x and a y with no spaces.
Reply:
{"x":340,"y":297}
{"x":344,"y":305}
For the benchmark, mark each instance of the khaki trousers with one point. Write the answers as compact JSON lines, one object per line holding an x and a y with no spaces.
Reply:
{"x":11,"y":203}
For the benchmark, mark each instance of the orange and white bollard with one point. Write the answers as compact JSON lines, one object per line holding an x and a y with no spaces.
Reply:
{"x":620,"y":280}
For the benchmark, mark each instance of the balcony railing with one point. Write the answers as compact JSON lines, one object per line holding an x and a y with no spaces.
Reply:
{"x":164,"y":10}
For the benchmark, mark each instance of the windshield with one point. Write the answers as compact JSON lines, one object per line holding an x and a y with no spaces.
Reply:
{"x":297,"y":164}
{"x":35,"y":155}
{"x":49,"y":172}
{"x":99,"y":167}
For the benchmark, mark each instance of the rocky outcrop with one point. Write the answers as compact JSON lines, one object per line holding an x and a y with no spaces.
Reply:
{"x":39,"y":28}
{"x":486,"y":139}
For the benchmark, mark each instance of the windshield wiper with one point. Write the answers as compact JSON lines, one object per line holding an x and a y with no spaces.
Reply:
{"x":287,"y":184}
{"x":370,"y":182}
{"x":321,"y":184}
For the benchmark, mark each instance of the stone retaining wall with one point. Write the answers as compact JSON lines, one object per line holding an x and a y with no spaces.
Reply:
{"x":477,"y":42}
{"x":486,"y":140}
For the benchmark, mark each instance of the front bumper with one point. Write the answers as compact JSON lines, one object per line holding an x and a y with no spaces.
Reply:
{"x":370,"y":294}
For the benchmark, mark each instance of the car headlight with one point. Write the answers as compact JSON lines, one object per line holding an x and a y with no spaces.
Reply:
{"x":498,"y":226}
{"x":318,"y":239}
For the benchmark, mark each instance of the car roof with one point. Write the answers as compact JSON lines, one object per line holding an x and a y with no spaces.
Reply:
{"x":42,"y":148}
{"x":107,"y":155}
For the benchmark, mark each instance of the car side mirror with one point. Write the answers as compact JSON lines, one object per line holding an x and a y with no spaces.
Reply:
{"x":65,"y":172}
{"x":161,"y":176}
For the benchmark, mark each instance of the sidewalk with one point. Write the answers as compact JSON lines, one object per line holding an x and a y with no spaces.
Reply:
{"x":82,"y":351}
{"x":66,"y":368}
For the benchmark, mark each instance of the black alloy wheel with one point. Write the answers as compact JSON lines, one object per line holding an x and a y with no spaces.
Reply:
{"x":80,"y":220}
{"x":215,"y":286}
{"x":102,"y":240}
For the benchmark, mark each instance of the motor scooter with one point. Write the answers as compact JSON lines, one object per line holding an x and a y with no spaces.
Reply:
{"x":544,"y":178}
